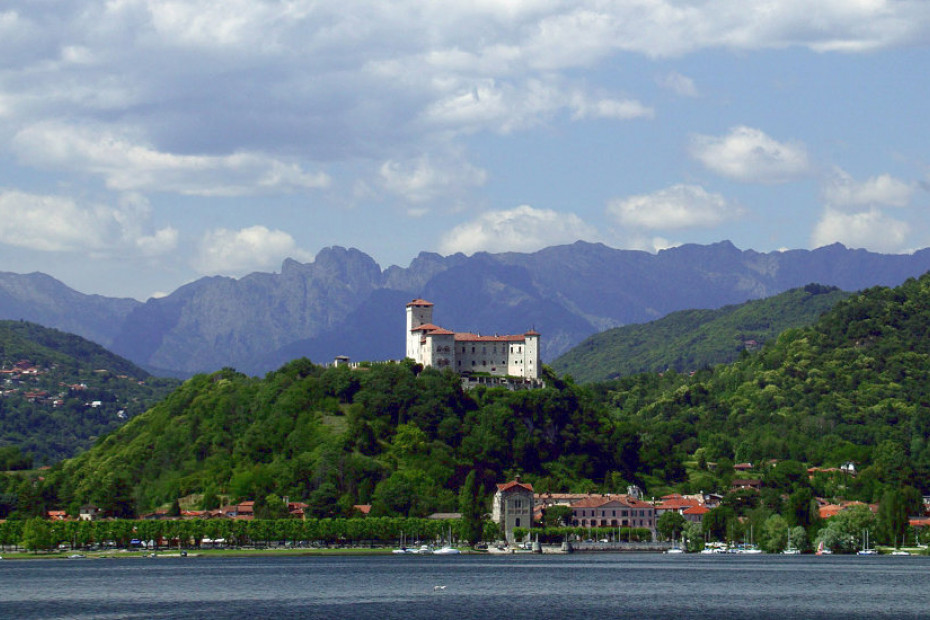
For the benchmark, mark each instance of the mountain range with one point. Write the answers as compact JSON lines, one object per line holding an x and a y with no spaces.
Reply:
{"x":344,"y":303}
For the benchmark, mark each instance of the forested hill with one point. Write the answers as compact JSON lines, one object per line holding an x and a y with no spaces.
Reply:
{"x":853,"y":387}
{"x":393,"y":435}
{"x":59,"y":392}
{"x":691,"y":339}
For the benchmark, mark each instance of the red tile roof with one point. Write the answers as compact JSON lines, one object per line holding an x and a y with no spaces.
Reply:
{"x":513,"y":485}
{"x":466,"y":337}
{"x":697,"y":510}
{"x":420,"y":303}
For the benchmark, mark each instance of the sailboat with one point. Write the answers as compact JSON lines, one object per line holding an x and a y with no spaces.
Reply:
{"x":791,"y":549}
{"x":823,"y":549}
{"x":404,"y":549}
{"x":865,"y":545}
{"x":675,"y":548}
{"x":751,"y":548}
{"x":447,"y":549}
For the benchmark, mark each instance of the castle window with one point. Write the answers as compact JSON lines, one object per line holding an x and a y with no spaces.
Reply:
{"x":473,"y":349}
{"x":484,"y":362}
{"x":473,"y":362}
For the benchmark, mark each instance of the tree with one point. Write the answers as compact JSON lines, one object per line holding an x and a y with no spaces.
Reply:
{"x":557,"y":516}
{"x":693,"y":536}
{"x":37,"y":534}
{"x":801,"y":508}
{"x":892,"y":517}
{"x":716,"y":522}
{"x":175,"y":509}
{"x":775,"y":534}
{"x":670,"y":524}
{"x":471,"y":507}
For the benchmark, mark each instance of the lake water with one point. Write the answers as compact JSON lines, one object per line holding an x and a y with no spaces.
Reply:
{"x":509,"y":587}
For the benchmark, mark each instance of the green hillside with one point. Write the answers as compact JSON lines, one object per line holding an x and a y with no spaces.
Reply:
{"x":59,"y":392}
{"x":388,"y":435}
{"x":691,"y":339}
{"x":852,"y":388}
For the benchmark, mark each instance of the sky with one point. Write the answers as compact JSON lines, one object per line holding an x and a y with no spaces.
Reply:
{"x":145,"y":143}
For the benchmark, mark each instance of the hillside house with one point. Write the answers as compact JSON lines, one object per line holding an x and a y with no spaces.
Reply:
{"x":431,"y":345}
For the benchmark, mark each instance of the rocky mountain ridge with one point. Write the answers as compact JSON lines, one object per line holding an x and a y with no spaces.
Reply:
{"x":343,"y":303}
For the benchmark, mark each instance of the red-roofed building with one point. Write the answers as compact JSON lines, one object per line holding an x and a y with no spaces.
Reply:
{"x":431,"y":345}
{"x":513,"y":506}
{"x":695,"y":514}
{"x":613,"y":511}
{"x":677,"y":503}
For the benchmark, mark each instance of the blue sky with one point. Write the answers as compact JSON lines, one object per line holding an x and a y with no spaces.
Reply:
{"x":145,"y":143}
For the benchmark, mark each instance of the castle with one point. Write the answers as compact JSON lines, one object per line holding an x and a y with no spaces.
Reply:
{"x":431,"y":345}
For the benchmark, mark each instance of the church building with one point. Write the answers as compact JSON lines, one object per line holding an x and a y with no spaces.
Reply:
{"x":431,"y":345}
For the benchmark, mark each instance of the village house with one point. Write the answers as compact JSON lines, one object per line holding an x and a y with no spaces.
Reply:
{"x":504,"y":356}
{"x":676,"y":502}
{"x":89,"y":512}
{"x":613,"y":511}
{"x":695,"y":514}
{"x":513,"y":507}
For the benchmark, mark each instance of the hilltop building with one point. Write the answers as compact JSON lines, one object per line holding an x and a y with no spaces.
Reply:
{"x":431,"y":345}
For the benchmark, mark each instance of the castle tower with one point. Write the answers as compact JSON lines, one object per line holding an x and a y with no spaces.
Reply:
{"x":419,"y":312}
{"x":532,"y":369}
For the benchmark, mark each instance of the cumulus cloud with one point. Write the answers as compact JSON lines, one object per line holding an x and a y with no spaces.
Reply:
{"x":236,"y":252}
{"x":426,"y":178}
{"x":675,"y":207}
{"x":127,"y":165}
{"x":870,"y":229}
{"x":523,"y":229}
{"x":262,"y":91}
{"x":749,"y":155}
{"x":51,"y":223}
{"x":842,"y":190}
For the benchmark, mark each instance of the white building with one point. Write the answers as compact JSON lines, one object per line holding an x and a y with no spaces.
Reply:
{"x":431,"y":345}
{"x":513,"y":507}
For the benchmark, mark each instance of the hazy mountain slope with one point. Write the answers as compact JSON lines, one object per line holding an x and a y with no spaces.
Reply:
{"x":44,"y":300}
{"x":343,"y":303}
{"x":690,"y":339}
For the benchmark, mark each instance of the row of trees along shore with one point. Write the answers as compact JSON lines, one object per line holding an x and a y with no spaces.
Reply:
{"x":41,"y":534}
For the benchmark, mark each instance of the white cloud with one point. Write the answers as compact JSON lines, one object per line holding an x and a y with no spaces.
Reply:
{"x":427,"y":178}
{"x":616,"y":109}
{"x":162,"y":241}
{"x":237,"y":252}
{"x":523,"y":229}
{"x":871,"y":229}
{"x":679,"y":84}
{"x":52,"y":223}
{"x":841,"y":190}
{"x":129,"y":166}
{"x":749,"y":155}
{"x":675,"y":207}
